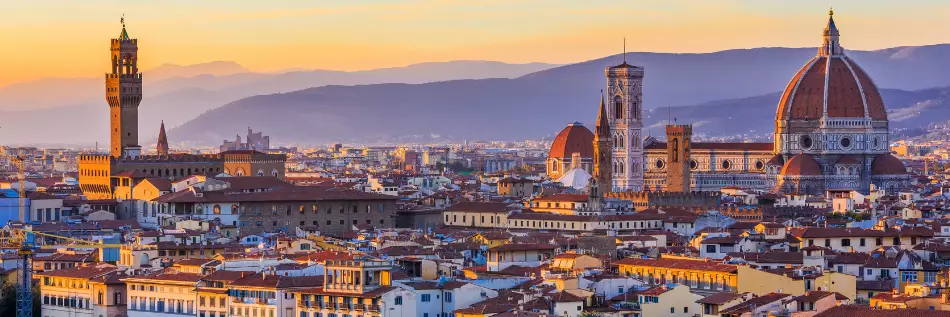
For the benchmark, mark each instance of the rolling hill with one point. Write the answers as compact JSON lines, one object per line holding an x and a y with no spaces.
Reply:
{"x":541,"y":103}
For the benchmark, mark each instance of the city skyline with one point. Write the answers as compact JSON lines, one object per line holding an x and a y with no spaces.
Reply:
{"x":323,"y":35}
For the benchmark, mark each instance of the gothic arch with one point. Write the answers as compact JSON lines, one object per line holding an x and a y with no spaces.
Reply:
{"x":618,"y":107}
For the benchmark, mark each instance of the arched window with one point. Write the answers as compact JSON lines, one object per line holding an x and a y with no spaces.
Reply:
{"x":675,"y":149}
{"x":618,"y":108}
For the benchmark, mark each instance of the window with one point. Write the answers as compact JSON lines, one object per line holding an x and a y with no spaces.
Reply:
{"x":846,"y":242}
{"x":398,"y":300}
{"x":672,"y":310}
{"x":827,"y":243}
{"x":711,"y":248}
{"x":930,"y":277}
{"x":909,"y":277}
{"x":426,"y":298}
{"x":685,"y":309}
{"x":878,"y":241}
{"x":862,"y":242}
{"x":448,"y":297}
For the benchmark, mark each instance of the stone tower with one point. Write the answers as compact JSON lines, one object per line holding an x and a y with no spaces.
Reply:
{"x":677,"y":157}
{"x":625,"y":112}
{"x":124,"y":93}
{"x":602,"y":178}
{"x":162,"y":146}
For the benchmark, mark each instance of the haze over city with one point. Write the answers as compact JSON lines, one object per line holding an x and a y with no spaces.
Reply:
{"x":474,"y":159}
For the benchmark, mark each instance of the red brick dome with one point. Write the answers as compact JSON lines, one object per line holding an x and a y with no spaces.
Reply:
{"x":802,"y":165}
{"x":835,"y":83}
{"x":777,"y":160}
{"x":575,"y":138}
{"x":886,"y":164}
{"x":831,"y":85}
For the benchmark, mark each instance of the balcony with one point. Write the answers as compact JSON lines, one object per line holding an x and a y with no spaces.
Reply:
{"x":372,"y":308}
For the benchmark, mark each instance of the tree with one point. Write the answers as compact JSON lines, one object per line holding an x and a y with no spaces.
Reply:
{"x":8,"y":299}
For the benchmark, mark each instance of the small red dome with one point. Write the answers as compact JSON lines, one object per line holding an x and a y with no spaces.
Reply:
{"x":575,"y":138}
{"x":802,"y":165}
{"x":777,"y":160}
{"x":886,"y":164}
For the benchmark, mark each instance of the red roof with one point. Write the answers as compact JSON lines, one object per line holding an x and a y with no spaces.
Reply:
{"x":581,"y":198}
{"x":886,"y":164}
{"x":523,"y":247}
{"x":802,"y":165}
{"x":574,"y":138}
{"x":679,"y":264}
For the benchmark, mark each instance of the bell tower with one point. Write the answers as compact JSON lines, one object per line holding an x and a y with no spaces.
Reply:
{"x":678,"y":169}
{"x":625,"y":112}
{"x":124,"y":93}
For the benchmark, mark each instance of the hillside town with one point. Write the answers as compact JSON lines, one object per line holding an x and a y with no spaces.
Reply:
{"x":832,"y":217}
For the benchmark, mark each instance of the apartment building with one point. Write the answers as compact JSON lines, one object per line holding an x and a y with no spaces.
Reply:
{"x":358,"y":286}
{"x":165,"y":293}
{"x":82,"y":291}
{"x":701,"y":276}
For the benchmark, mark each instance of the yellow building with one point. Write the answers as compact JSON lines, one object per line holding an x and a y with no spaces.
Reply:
{"x":83,"y":291}
{"x":164,"y":291}
{"x":564,"y":204}
{"x":573,"y":262}
{"x":795,"y":281}
{"x":344,"y":291}
{"x":492,"y":238}
{"x":699,"y":275}
{"x":477,"y":214}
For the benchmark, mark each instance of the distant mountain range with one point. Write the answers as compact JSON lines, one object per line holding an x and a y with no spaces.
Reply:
{"x":73,"y":110}
{"x":452,"y":100}
{"x":542,"y":103}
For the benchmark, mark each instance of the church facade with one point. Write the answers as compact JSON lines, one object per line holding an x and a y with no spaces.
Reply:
{"x":831,"y":132}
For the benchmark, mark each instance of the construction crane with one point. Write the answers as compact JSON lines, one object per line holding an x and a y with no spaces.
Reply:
{"x":22,"y":239}
{"x":24,"y":296}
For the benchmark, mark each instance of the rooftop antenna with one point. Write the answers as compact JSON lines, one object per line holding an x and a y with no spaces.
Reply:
{"x":669,"y":114}
{"x":624,"y":49}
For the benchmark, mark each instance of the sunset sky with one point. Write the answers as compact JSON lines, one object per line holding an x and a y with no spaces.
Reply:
{"x":46,"y":38}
